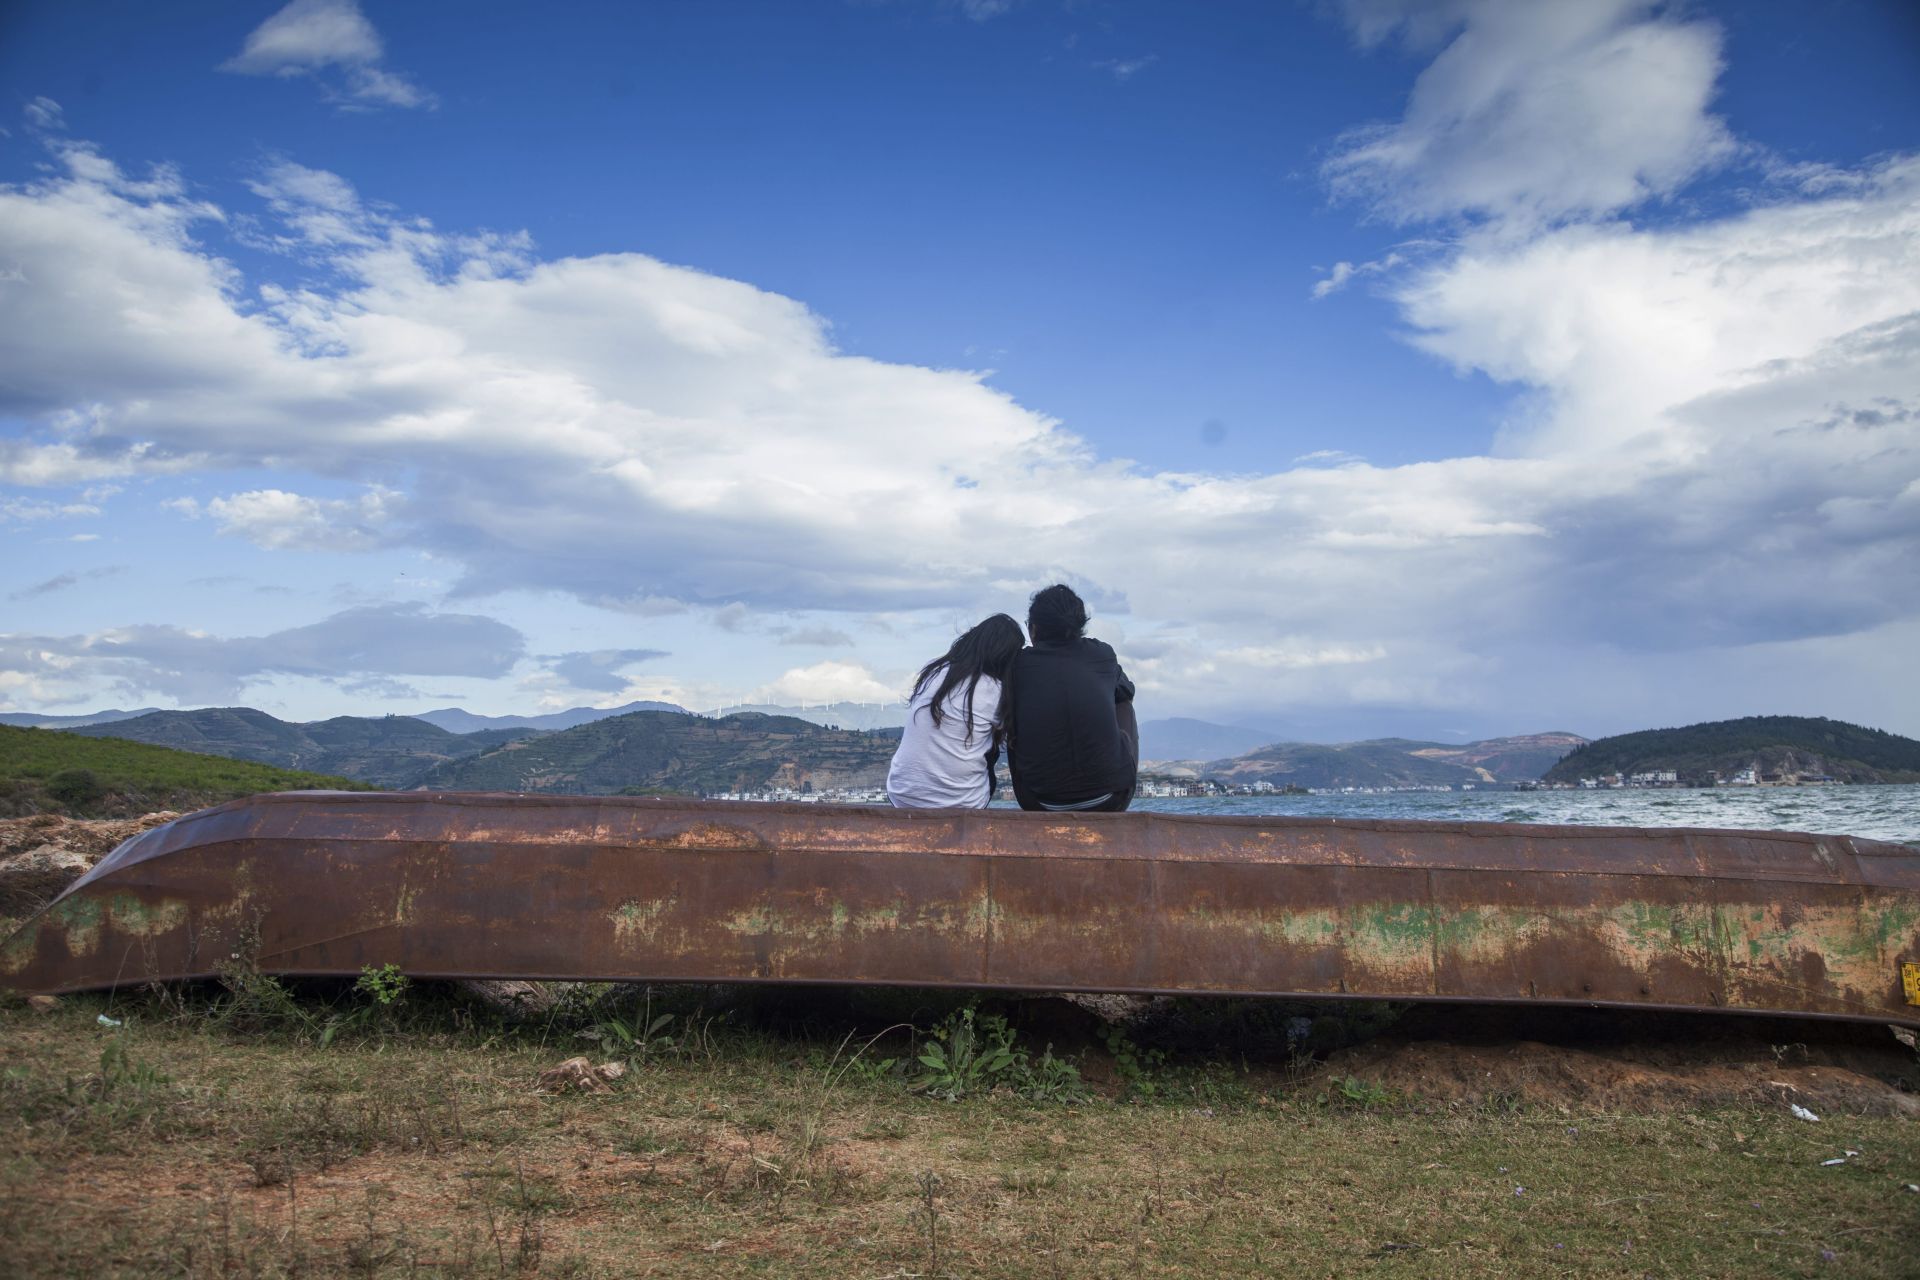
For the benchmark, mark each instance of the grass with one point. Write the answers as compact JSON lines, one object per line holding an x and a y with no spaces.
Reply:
{"x":205,"y":1136}
{"x":43,"y":770}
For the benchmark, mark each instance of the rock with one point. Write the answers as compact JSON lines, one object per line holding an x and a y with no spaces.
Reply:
{"x":29,"y":880}
{"x":43,"y":1004}
{"x":578,"y":1075}
{"x":511,"y":997}
{"x":43,"y":854}
{"x":1117,"y":1009}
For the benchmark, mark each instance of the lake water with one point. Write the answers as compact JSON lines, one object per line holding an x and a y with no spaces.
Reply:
{"x":1881,"y":813}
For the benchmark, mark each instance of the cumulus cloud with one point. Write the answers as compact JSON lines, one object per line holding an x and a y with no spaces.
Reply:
{"x":278,"y":520}
{"x":332,"y":42}
{"x":1719,"y":444}
{"x":361,"y":649}
{"x":1537,"y":112}
{"x":830,"y":681}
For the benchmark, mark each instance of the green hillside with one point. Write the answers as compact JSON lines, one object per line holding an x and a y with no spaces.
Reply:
{"x":1771,"y":744}
{"x":47,"y":770}
{"x":650,"y":751}
{"x":386,"y":751}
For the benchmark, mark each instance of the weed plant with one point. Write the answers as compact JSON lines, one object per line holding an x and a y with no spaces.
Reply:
{"x":973,"y":1052}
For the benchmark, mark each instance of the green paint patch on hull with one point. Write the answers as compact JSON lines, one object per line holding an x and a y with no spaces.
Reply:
{"x":79,"y":920}
{"x":136,"y":918}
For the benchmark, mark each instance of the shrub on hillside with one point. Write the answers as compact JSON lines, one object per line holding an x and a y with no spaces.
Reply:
{"x":76,"y":788}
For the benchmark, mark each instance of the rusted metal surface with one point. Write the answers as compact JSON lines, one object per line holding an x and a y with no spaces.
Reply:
{"x":639,"y":889}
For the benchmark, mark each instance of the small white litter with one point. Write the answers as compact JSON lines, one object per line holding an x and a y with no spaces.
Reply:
{"x":1827,"y":1164}
{"x":1802,"y":1112}
{"x":105,"y":1021}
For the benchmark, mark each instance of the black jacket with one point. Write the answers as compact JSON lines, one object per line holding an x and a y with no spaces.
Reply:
{"x":1064,"y":742}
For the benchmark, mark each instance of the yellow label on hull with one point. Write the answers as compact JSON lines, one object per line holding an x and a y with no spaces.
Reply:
{"x":1910,"y":982}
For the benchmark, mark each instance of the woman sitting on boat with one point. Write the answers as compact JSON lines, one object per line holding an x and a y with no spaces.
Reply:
{"x":953,"y":734}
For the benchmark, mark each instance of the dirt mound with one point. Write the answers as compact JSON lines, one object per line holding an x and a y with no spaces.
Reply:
{"x":1595,"y":1059}
{"x":43,"y":854}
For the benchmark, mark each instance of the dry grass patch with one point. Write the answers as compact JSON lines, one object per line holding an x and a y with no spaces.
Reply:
{"x":181,"y":1145}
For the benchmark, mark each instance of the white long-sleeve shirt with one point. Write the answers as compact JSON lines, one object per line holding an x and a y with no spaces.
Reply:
{"x":935,"y":766}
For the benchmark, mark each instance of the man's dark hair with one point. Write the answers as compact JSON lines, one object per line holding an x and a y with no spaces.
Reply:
{"x":1055,"y":613}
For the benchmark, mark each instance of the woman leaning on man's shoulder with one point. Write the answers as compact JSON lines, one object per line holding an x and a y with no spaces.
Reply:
{"x":954,"y":725}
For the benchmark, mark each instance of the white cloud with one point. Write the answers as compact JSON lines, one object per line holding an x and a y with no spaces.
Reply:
{"x":1625,"y":326}
{"x":830,"y":682}
{"x":45,"y":113}
{"x":1344,"y":273}
{"x":1721,"y":446}
{"x":28,"y":509}
{"x":1537,"y":112}
{"x":278,"y":520}
{"x":1295,"y":656}
{"x":324,"y":39}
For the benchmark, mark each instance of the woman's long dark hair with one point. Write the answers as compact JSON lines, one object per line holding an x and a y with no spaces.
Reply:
{"x":986,"y":650}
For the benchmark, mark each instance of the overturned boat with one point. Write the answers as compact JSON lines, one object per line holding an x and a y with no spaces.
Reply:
{"x":628,"y":889}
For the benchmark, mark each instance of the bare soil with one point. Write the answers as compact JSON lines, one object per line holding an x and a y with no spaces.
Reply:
{"x":42,"y":854}
{"x":1627,"y":1062}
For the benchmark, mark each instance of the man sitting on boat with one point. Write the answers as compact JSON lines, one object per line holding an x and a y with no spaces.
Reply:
{"x":1073,"y":742}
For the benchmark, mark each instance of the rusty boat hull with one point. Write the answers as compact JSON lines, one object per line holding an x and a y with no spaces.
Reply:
{"x":628,"y":889}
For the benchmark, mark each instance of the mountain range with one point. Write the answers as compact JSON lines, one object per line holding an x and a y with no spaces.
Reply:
{"x":661,"y":747}
{"x":387,"y":751}
{"x":648,"y":751}
{"x":670,"y":749}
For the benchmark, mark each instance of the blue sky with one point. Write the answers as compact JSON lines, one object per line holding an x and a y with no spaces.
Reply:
{"x":753,"y":348}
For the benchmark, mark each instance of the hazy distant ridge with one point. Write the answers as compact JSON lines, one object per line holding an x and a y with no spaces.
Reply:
{"x":455,"y":720}
{"x":33,"y":720}
{"x":1183,"y":738}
